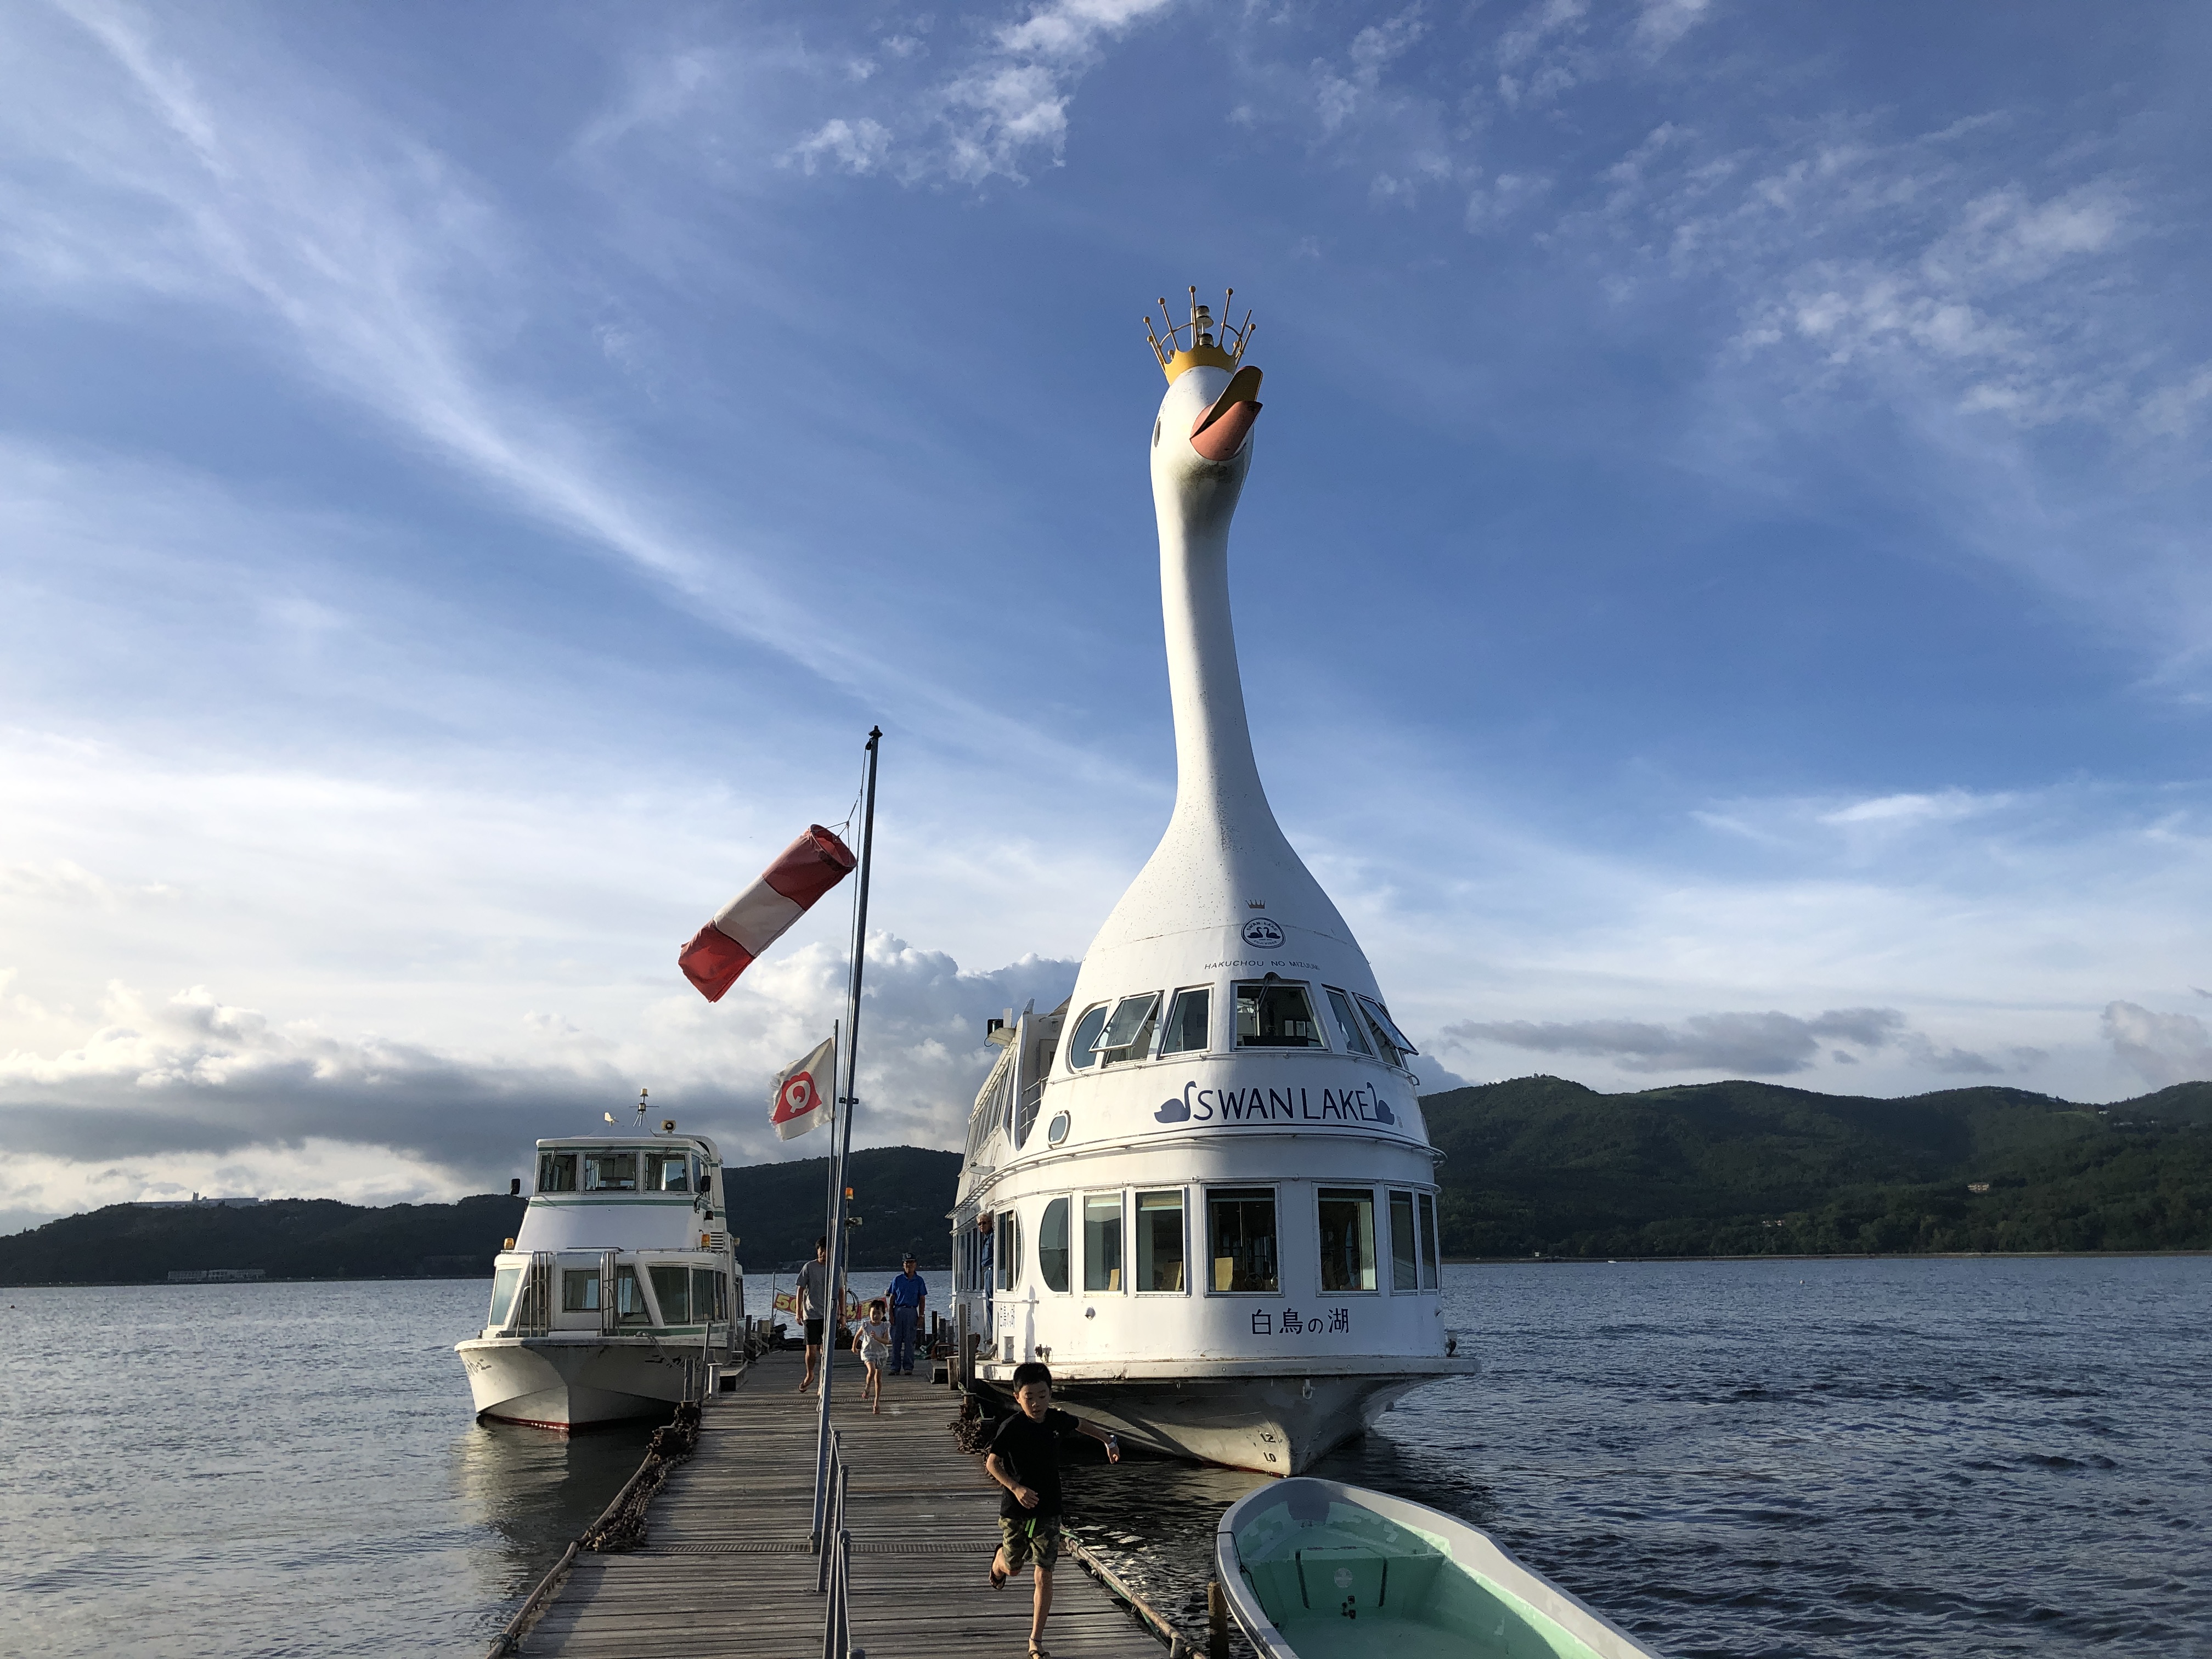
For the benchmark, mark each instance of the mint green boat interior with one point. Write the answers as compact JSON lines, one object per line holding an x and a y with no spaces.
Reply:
{"x":1339,"y":1581}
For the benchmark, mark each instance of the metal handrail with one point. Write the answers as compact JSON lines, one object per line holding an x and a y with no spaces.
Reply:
{"x":607,"y":1292}
{"x":833,"y":1576}
{"x":533,"y":1313}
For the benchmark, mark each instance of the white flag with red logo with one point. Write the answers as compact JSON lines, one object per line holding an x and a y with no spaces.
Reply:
{"x":757,"y":917}
{"x":804,"y":1093}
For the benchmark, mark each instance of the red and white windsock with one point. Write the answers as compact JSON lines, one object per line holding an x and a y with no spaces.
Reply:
{"x":757,"y":917}
{"x":802,"y":1101}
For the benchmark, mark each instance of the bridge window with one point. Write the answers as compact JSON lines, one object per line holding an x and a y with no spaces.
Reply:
{"x":1396,"y":1045}
{"x":1128,"y":1034}
{"x":557,"y":1172}
{"x":1082,"y":1045}
{"x":1347,"y":1023}
{"x":668,"y":1172}
{"x":1186,"y":1022}
{"x":609,"y":1172}
{"x":1273,"y":1013}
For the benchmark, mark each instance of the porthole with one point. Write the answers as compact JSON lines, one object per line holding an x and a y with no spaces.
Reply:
{"x":1056,"y":1131}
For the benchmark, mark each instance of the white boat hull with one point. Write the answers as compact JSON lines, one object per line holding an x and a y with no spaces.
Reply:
{"x":1275,"y":1423}
{"x":572,"y":1382}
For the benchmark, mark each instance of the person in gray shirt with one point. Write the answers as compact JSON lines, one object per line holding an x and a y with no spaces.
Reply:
{"x":813,"y":1303}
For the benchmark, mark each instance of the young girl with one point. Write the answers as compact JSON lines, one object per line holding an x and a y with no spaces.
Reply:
{"x":873,"y":1334}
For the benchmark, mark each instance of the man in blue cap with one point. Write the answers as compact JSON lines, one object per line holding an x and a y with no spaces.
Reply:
{"x":909,"y":1293}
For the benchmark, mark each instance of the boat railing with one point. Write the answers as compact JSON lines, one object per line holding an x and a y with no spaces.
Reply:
{"x":607,"y":1292}
{"x":532,"y":1315}
{"x":833,"y":1577}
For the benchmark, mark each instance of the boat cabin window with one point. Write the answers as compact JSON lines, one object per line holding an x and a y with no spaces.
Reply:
{"x":1053,"y":1245}
{"x":1348,"y":1239}
{"x":1187,"y":1018}
{"x":1128,"y":1034}
{"x":1009,"y":1235}
{"x":1405,"y":1267}
{"x":557,"y":1172}
{"x":1395,"y":1044}
{"x":1025,"y":1112}
{"x":580,"y":1290}
{"x":504,"y":1284}
{"x":1083,"y":1043}
{"x":1159,"y":1242}
{"x":1428,"y":1242}
{"x":1240,"y":1226}
{"x":630,"y":1298}
{"x":672,"y":1289}
{"x":1273,"y":1013}
{"x":1347,"y":1023}
{"x":609,"y":1172}
{"x":668,"y":1172}
{"x":1101,"y":1242}
{"x":710,"y":1295}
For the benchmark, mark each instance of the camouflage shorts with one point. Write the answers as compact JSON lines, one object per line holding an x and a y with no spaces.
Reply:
{"x":1030,"y":1540}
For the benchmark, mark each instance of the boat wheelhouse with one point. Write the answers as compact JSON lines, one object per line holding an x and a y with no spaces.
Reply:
{"x":1201,"y":1190}
{"x":621,"y":1287}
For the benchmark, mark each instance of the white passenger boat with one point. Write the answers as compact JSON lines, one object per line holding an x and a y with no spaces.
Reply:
{"x":1201,"y":1190}
{"x":1314,"y":1569}
{"x":621,"y":1287}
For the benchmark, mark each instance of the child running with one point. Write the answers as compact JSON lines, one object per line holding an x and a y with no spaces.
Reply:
{"x":872,"y":1336}
{"x":1025,"y":1459}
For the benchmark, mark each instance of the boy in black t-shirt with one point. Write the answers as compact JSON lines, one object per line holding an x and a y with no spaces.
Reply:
{"x":1025,"y":1459}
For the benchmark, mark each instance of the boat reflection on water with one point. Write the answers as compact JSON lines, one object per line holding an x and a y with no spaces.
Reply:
{"x":533,"y":1492}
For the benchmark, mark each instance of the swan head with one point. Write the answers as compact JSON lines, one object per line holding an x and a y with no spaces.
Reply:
{"x":1202,"y":438}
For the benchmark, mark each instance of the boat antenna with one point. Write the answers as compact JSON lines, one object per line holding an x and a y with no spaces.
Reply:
{"x":641,"y":1109}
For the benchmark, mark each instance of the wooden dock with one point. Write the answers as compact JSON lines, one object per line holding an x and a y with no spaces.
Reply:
{"x":725,"y":1570}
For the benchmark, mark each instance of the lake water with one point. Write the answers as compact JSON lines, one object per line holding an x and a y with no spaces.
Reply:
{"x":1861,"y":1458}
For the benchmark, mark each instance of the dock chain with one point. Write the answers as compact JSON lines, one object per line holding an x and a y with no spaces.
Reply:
{"x":972,"y":1429}
{"x":623,"y":1527}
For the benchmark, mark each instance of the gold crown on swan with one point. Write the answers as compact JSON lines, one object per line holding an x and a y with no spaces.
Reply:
{"x":1221,"y":348}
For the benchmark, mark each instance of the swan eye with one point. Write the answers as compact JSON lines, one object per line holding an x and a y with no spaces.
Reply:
{"x":1156,"y":434}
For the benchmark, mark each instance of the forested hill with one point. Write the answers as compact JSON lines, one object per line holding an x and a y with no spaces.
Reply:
{"x":900,"y":1194}
{"x":1541,"y":1165}
{"x":1538,"y":1165}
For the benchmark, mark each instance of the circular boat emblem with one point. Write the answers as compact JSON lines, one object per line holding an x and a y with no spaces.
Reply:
{"x":1262,"y":935}
{"x":1344,"y":1578}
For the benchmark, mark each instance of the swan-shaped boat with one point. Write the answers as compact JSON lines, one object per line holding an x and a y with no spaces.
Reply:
{"x":1201,"y":1190}
{"x":1317,"y":1570}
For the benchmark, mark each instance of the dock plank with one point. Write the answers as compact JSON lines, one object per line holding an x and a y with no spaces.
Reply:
{"x":725,"y":1570}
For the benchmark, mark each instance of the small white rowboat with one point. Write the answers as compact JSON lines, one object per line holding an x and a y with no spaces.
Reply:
{"x":1317,"y":1570}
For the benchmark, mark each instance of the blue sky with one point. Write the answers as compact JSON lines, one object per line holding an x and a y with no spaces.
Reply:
{"x":1723,"y":588}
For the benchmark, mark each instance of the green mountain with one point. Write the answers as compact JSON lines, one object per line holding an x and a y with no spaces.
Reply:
{"x":1538,"y":1165}
{"x":900,"y":1194}
{"x":1541,"y":1165}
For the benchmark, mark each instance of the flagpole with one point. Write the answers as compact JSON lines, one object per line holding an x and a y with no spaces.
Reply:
{"x":842,"y":1145}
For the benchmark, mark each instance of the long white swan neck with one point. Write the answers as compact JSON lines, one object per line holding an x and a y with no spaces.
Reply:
{"x":1216,"y":779}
